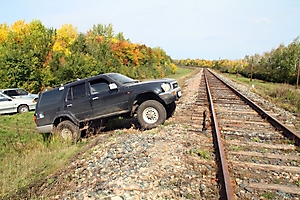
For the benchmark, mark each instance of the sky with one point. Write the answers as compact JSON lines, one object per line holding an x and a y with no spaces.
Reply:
{"x":203,"y":29}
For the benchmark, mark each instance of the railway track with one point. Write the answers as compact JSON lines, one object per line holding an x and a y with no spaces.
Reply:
{"x":257,"y":157}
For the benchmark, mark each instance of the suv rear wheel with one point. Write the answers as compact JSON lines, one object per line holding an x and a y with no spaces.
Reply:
{"x":151,"y":113}
{"x":68,"y":130}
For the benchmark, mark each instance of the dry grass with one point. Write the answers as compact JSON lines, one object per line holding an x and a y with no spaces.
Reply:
{"x":284,"y":95}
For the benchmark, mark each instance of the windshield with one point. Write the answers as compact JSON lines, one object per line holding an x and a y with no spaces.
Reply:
{"x":122,"y":79}
{"x":3,"y":98}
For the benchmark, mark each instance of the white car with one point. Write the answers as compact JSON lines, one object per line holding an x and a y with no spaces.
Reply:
{"x":16,"y":105}
{"x":18,"y":93}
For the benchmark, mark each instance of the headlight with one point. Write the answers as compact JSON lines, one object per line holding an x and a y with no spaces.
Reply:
{"x":166,"y":87}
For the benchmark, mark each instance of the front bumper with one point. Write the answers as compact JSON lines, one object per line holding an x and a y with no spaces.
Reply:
{"x":170,"y":96}
{"x":32,"y":107}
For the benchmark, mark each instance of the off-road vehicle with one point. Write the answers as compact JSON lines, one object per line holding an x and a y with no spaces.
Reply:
{"x":68,"y":108}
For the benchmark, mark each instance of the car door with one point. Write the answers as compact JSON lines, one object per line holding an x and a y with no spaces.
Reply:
{"x":7,"y":105}
{"x":105,"y":101}
{"x":78,"y":102}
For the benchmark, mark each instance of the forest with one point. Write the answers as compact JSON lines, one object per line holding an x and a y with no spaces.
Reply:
{"x":35,"y":57}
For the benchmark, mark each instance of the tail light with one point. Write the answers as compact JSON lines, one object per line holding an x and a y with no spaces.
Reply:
{"x":34,"y":119}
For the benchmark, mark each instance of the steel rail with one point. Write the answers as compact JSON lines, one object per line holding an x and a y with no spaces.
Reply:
{"x":272,"y":120}
{"x":224,"y":178}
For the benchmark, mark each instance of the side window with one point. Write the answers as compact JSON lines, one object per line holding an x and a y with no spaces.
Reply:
{"x":76,"y":92}
{"x":11,"y":93}
{"x":98,"y":86}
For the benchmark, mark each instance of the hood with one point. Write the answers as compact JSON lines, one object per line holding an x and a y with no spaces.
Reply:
{"x":163,"y":80}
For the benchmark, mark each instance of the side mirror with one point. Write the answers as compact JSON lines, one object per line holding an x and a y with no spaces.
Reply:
{"x":113,"y":86}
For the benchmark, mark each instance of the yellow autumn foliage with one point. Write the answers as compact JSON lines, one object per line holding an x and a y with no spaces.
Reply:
{"x":3,"y":32}
{"x":65,"y":36}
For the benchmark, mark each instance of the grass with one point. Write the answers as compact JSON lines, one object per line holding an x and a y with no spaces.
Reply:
{"x":255,"y":139}
{"x":268,"y":195}
{"x":201,"y":153}
{"x":284,"y":95}
{"x":26,"y":158}
{"x":184,"y":73}
{"x":236,"y":148}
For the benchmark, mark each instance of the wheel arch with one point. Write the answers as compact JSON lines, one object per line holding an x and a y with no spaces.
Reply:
{"x":144,"y":97}
{"x":64,"y":118}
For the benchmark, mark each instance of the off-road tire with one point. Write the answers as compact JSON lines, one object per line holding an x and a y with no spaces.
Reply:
{"x":68,"y":131}
{"x":151,"y":114}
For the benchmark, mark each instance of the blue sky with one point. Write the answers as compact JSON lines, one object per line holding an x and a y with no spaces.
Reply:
{"x":204,"y":29}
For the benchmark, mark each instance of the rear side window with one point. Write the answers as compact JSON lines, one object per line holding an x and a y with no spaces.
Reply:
{"x":76,"y":92}
{"x":50,"y":97}
{"x":11,"y":93}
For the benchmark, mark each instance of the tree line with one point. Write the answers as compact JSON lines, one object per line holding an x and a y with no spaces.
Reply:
{"x":279,"y":65}
{"x":35,"y":57}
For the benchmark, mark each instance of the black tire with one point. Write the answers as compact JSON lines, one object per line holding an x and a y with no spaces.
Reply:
{"x":23,"y":109}
{"x":68,"y":130}
{"x":151,"y":114}
{"x":171,"y":109}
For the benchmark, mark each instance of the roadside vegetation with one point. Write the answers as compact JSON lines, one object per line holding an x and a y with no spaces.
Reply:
{"x":184,"y":73}
{"x":26,"y":158}
{"x":281,"y":94}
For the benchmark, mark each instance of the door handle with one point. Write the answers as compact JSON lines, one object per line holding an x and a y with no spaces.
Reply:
{"x":70,"y":105}
{"x":95,"y":98}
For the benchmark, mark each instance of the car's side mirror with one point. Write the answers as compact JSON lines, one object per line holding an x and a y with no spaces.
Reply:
{"x":113,"y":86}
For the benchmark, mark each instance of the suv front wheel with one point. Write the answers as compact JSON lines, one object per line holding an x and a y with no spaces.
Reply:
{"x":151,"y":113}
{"x":68,"y":130}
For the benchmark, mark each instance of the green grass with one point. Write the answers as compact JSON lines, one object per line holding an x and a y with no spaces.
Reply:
{"x":268,"y":195}
{"x":26,"y":158}
{"x":203,"y":154}
{"x":255,"y":139}
{"x":236,"y":148}
{"x":184,"y":73}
